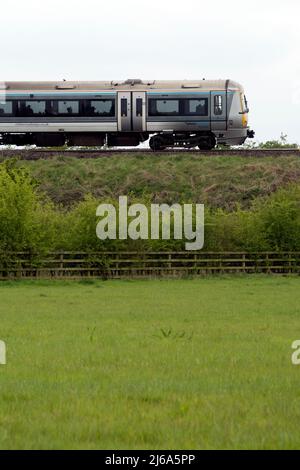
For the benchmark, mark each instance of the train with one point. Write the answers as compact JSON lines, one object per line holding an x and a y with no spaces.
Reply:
{"x":189,"y":114}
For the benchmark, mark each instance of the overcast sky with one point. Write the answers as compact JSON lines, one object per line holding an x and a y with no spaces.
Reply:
{"x":254,"y":42}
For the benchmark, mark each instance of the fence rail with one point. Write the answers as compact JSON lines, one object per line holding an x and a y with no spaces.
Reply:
{"x":105,"y":265}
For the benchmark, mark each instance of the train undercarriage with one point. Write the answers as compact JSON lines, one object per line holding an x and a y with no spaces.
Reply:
{"x":157,"y":142}
{"x":72,"y":139}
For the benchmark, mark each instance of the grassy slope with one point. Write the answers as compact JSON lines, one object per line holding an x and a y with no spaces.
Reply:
{"x":217,"y":181}
{"x":89,"y":367}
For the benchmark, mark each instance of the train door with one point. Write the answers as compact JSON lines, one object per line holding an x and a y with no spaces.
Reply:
{"x":139,"y":111}
{"x":131,"y":111}
{"x":124,"y":111}
{"x":218,"y":110}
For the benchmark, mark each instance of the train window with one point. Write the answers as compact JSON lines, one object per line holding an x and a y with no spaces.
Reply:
{"x":196,"y":107}
{"x":68,"y":107}
{"x":104,"y":108}
{"x":51,"y":108}
{"x":6,"y":109}
{"x":123,"y":107}
{"x":218,"y":105}
{"x":139,"y":107}
{"x":160,"y":107}
{"x":31,"y":108}
{"x":246,"y":109}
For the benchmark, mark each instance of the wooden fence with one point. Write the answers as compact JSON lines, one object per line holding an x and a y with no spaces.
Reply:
{"x":106,"y":265}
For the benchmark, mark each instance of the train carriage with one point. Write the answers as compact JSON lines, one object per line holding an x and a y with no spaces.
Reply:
{"x":172,"y":113}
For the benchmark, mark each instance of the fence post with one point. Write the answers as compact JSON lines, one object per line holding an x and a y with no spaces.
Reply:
{"x":220,"y":264}
{"x":269,"y":271}
{"x":144,"y":270}
{"x":117,"y":266}
{"x":61,"y":264}
{"x":244,"y":263}
{"x":170,"y":263}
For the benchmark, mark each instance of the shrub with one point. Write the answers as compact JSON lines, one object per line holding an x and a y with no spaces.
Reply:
{"x":27,"y":220}
{"x":279,"y":219}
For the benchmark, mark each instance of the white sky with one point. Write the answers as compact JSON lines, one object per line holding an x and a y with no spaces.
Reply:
{"x":254,"y":42}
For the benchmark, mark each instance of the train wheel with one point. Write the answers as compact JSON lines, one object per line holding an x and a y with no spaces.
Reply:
{"x":157,"y":143}
{"x":207,"y":143}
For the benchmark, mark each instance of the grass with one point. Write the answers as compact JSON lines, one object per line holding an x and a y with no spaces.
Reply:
{"x":180,"y":364}
{"x":215,"y":181}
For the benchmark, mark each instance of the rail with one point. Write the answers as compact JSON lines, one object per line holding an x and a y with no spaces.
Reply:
{"x":39,"y":154}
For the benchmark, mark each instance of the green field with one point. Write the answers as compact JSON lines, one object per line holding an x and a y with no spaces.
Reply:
{"x":182,"y":364}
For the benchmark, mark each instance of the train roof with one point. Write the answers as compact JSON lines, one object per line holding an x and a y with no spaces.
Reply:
{"x":131,"y":84}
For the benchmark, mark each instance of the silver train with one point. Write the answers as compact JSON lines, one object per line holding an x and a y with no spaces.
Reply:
{"x":172,"y":113}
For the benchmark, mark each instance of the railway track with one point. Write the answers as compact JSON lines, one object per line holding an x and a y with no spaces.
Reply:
{"x":38,"y":154}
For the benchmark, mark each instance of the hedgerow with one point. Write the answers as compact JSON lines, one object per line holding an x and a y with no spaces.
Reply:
{"x":30,"y":222}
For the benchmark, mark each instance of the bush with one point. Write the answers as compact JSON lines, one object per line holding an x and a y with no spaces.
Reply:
{"x":279,"y":219}
{"x":29,"y":222}
{"x":282,"y":143}
{"x":80,"y":230}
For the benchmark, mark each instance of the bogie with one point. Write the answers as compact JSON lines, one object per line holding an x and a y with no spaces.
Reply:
{"x":162,"y":141}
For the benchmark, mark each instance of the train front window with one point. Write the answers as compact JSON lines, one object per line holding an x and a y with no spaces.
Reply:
{"x":6,"y":109}
{"x":218,"y":105}
{"x":160,"y":107}
{"x":68,"y":108}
